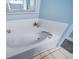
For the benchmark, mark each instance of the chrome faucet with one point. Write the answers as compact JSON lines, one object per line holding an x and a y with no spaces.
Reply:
{"x":35,"y":24}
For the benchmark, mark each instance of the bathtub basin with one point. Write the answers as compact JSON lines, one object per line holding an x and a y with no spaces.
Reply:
{"x":24,"y":36}
{"x":15,"y":40}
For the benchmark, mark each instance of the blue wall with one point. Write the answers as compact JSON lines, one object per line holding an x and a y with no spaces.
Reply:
{"x":57,"y":10}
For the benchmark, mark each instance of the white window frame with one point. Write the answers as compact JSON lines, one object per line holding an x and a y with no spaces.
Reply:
{"x":25,"y":10}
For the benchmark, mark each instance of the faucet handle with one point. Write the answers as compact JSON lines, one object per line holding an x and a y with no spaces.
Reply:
{"x":8,"y":30}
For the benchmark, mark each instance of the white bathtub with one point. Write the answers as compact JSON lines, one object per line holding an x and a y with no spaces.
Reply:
{"x":23,"y":36}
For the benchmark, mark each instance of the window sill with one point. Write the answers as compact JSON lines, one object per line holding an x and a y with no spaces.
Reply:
{"x":21,"y":12}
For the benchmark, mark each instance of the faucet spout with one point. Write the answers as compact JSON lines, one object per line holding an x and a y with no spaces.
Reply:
{"x":35,"y":24}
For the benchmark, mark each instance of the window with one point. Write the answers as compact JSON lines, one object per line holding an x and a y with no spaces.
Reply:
{"x":20,"y":5}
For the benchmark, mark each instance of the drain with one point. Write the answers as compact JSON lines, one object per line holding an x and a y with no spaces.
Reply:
{"x":38,"y":38}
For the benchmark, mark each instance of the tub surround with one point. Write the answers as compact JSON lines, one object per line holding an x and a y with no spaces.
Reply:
{"x":26,"y":26}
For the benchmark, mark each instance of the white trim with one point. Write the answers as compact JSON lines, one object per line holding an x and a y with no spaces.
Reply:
{"x":8,"y":5}
{"x":16,"y":1}
{"x":22,"y":12}
{"x":69,"y":30}
{"x":25,"y":5}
